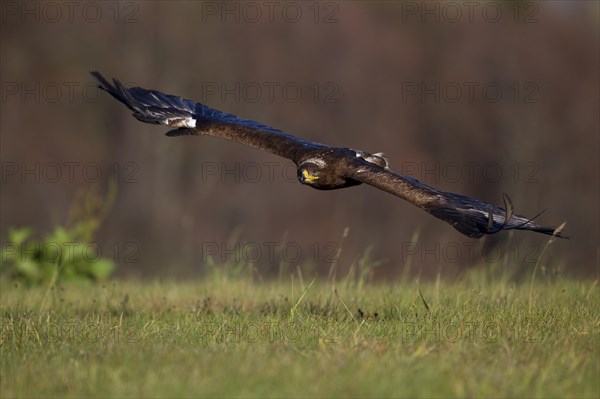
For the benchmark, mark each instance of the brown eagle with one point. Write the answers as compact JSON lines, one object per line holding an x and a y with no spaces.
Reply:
{"x":320,"y":166}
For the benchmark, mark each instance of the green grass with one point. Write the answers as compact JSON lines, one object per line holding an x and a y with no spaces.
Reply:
{"x":233,"y":338}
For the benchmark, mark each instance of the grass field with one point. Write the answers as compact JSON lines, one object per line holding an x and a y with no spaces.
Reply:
{"x":225,"y":337}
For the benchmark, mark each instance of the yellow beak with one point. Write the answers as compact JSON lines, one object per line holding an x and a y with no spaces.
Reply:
{"x":308,"y":177}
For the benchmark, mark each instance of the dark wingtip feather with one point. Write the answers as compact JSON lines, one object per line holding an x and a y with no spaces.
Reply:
{"x":551,"y":231}
{"x":114,"y":91}
{"x":102,"y":82}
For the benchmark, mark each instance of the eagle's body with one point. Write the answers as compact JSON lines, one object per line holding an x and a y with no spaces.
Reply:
{"x":319,"y":166}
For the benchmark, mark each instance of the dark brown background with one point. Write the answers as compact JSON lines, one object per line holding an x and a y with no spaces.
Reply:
{"x":170,"y":212}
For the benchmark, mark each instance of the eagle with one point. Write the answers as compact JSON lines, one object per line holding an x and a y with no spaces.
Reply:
{"x":318,"y":165}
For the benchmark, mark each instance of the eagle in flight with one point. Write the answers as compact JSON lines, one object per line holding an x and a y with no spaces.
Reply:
{"x":320,"y":166}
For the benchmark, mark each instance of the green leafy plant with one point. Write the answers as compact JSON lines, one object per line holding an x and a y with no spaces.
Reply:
{"x":60,"y":255}
{"x":67,"y":253}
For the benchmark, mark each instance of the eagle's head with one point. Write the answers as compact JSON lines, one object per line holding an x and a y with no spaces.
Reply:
{"x":323,"y":175}
{"x":309,"y":171}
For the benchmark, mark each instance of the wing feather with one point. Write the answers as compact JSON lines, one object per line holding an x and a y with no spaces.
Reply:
{"x":468,"y":215}
{"x":192,"y":118}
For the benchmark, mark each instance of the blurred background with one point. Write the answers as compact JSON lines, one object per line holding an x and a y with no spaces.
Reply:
{"x":477,"y":99}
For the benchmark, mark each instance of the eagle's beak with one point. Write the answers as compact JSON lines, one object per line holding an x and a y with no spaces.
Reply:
{"x":308,"y":178}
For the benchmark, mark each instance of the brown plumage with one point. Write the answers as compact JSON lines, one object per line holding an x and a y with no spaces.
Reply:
{"x":320,"y":166}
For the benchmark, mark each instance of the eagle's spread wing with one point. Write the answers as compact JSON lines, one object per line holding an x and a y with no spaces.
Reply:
{"x":192,"y":118}
{"x":470,"y":216}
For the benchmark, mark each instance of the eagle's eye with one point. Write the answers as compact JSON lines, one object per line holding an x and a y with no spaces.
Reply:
{"x":306,"y":177}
